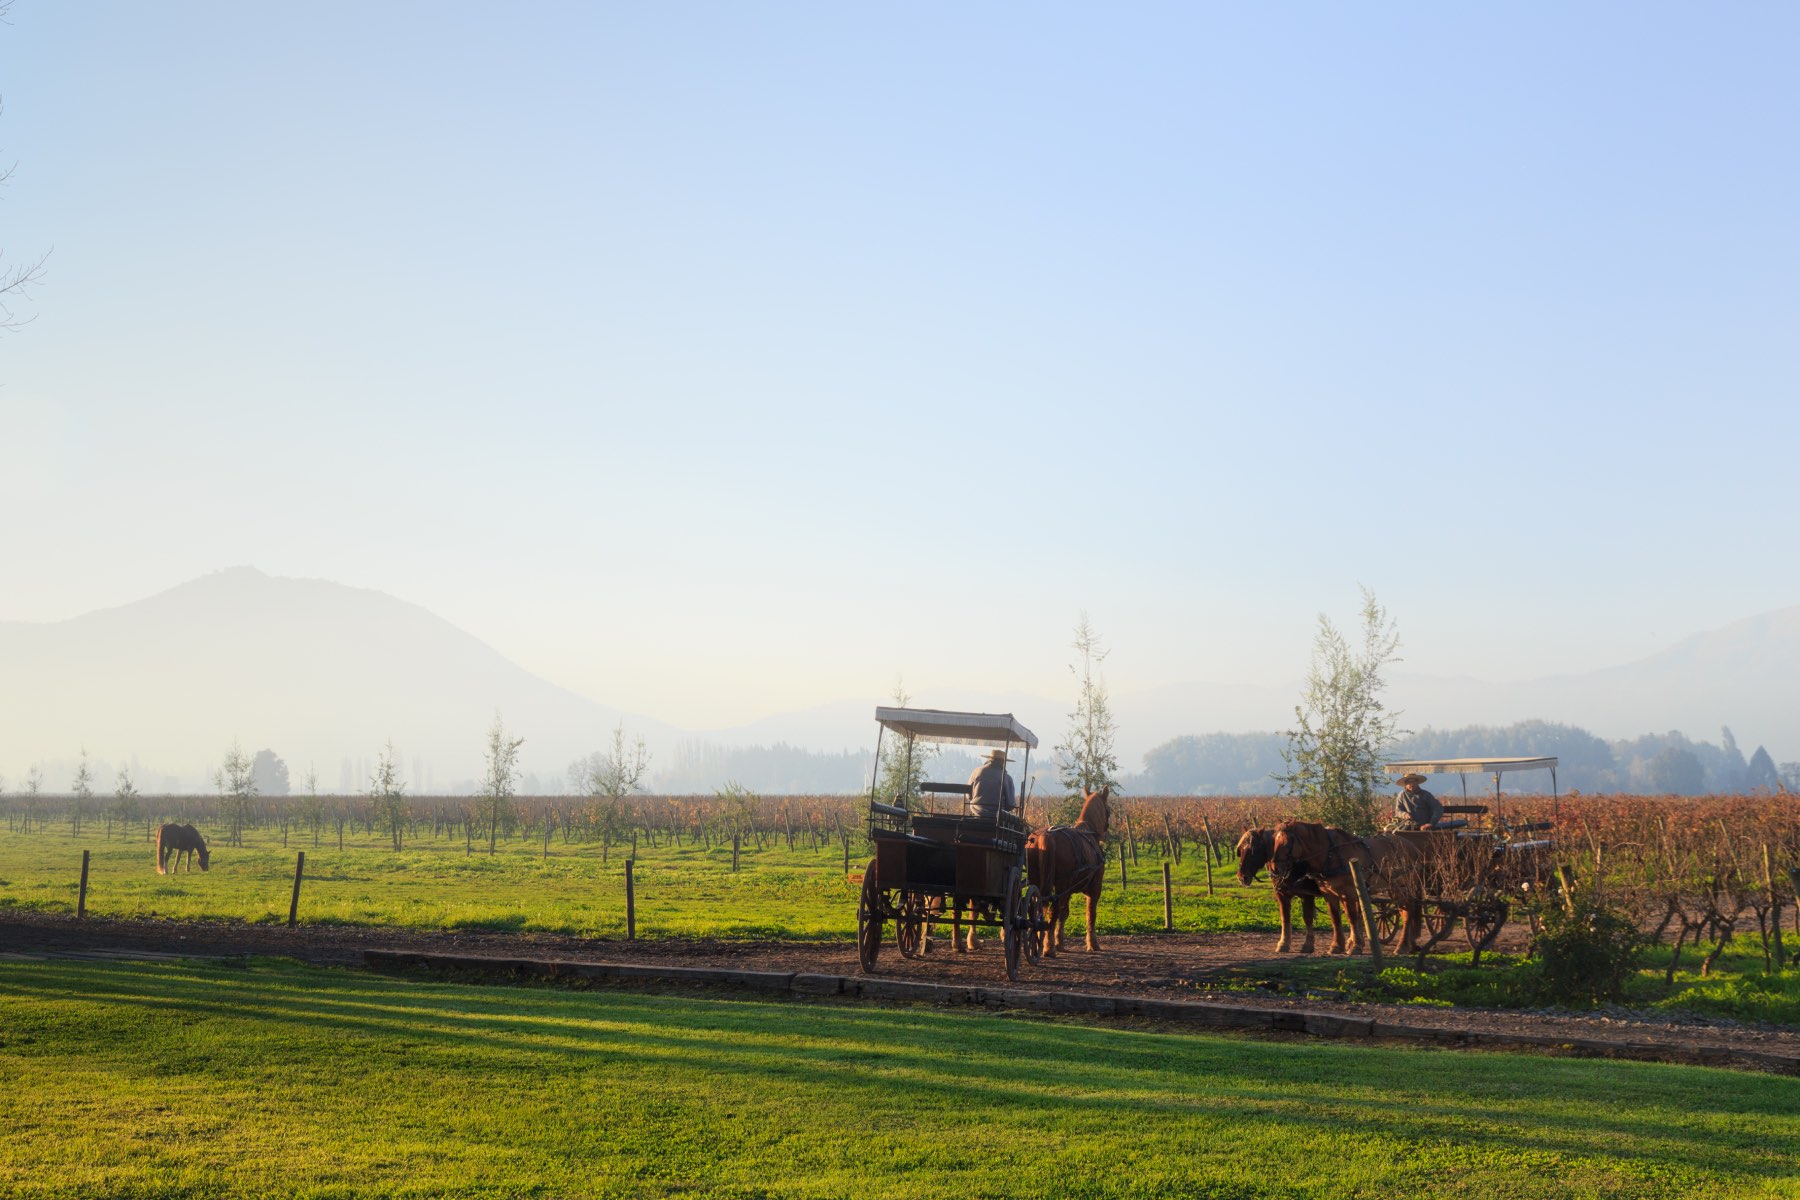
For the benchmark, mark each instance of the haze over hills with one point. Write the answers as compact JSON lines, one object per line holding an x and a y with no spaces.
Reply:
{"x":324,"y":674}
{"x":317,"y":671}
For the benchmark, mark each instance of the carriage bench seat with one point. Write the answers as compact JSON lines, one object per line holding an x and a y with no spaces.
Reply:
{"x":1465,"y":808}
{"x":947,"y":789}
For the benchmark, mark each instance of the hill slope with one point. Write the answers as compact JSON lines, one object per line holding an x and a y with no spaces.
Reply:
{"x":314,"y":670}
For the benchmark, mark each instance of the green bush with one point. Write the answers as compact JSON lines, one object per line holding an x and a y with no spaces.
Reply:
{"x":1585,"y":953}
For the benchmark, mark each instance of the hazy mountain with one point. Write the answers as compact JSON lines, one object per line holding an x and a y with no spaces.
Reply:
{"x":321,"y":672}
{"x":316,"y":671}
{"x":1744,"y":675}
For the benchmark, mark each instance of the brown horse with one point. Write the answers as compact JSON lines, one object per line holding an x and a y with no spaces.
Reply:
{"x":1305,"y":851}
{"x":1254,"y":850}
{"x":1066,"y":859}
{"x":178,"y":840}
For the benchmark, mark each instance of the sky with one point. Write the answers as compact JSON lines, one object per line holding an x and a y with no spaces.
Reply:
{"x":719,"y":360}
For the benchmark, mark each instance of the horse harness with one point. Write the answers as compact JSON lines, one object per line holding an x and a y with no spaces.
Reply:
{"x":1292,"y":876}
{"x":1087,"y":872}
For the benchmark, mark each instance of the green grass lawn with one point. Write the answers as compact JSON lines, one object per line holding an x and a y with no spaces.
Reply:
{"x":681,"y":892}
{"x":176,"y":1080}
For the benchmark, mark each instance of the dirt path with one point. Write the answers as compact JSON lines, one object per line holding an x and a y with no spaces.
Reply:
{"x":1164,"y":966}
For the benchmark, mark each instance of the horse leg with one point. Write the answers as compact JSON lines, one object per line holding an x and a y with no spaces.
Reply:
{"x":1052,"y":935}
{"x":1308,"y":911}
{"x":1285,"y":901}
{"x":1337,"y":924}
{"x":1093,"y":899}
{"x":1353,"y":909}
{"x":1409,"y":929}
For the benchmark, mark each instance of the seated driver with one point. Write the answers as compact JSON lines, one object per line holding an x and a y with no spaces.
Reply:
{"x":991,"y":788}
{"x":1414,"y":807}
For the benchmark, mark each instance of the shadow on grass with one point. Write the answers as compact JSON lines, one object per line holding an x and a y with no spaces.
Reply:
{"x":869,"y":1060}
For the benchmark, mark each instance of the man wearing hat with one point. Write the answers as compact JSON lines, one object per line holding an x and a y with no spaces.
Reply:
{"x":1414,"y":807}
{"x":990,"y":787}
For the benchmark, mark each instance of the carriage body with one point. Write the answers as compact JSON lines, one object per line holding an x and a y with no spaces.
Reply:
{"x":1478,"y":866}
{"x":936,"y":860}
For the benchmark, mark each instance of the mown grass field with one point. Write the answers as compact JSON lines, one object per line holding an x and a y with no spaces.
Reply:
{"x":175,"y":1080}
{"x":681,"y":892}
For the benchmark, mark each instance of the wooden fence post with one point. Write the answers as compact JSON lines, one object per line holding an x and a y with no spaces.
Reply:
{"x":81,"y":900}
{"x":546,"y":833}
{"x":630,"y":902}
{"x":1209,"y":884}
{"x":1774,"y":906}
{"x":1365,"y":913}
{"x":736,"y":838}
{"x":1123,"y":883}
{"x":1566,"y":877}
{"x":1212,"y":850}
{"x":1168,"y":900}
{"x":294,"y":901}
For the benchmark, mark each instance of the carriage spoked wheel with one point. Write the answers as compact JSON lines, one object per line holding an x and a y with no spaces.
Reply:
{"x":909,"y":929}
{"x":1034,"y":924}
{"x":1388,"y":920}
{"x":1438,"y":921}
{"x":1483,"y":921}
{"x":868,"y":920}
{"x":1012,"y":914}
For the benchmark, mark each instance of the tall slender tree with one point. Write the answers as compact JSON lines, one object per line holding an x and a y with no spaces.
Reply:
{"x":388,"y":795}
{"x":1085,"y":759}
{"x":494,"y":802}
{"x":83,"y":790}
{"x":1341,"y":727}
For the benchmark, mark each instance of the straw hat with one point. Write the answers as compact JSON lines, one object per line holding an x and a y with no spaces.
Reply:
{"x":1411,"y":777}
{"x":996,"y":756}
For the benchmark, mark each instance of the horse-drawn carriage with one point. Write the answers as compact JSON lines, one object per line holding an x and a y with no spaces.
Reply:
{"x":937,"y":858}
{"x":1474,"y":867}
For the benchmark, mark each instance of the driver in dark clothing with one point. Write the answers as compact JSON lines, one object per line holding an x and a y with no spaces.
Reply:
{"x":991,"y":788}
{"x":1414,"y":807}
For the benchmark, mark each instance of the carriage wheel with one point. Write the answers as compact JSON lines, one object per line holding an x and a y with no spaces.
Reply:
{"x":1483,"y":921}
{"x":1034,"y":924}
{"x":1439,"y":921}
{"x":1388,"y":920}
{"x":909,"y":930}
{"x":868,"y":920}
{"x":1012,"y":912}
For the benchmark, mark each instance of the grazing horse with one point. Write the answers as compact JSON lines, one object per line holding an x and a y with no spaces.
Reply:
{"x":1066,"y":859}
{"x":178,"y":840}
{"x":1254,"y":850}
{"x":1307,"y":851}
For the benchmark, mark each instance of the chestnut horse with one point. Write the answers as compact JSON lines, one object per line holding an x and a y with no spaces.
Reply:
{"x":1305,"y":851}
{"x":1066,"y":859}
{"x":178,"y":840}
{"x":1254,"y":850}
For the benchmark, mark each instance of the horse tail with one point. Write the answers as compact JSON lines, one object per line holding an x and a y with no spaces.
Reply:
{"x":161,"y":858}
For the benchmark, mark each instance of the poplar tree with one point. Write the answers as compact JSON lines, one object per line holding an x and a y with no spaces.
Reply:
{"x":1341,"y":727}
{"x":494,"y":803}
{"x":1085,"y":759}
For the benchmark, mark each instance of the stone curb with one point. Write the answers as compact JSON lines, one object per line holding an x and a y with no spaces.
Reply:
{"x":1243,"y":1018}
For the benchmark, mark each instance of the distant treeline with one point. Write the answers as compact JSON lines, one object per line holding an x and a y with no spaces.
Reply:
{"x":1657,"y":763}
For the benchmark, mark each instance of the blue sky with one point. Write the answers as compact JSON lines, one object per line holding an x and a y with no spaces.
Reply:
{"x":714,"y":360}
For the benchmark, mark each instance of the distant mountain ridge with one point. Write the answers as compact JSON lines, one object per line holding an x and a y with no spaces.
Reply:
{"x":324,"y":673}
{"x":318,"y":671}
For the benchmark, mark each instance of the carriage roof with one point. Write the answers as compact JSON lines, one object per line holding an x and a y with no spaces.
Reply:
{"x":1471,"y":766}
{"x":956,"y":728}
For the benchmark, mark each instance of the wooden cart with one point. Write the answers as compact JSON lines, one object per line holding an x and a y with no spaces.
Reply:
{"x":936,"y":860}
{"x":1478,"y":867}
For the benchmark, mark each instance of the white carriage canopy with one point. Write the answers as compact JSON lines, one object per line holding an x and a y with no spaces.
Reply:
{"x":1465,"y":767}
{"x":956,"y":728}
{"x":1470,"y":766}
